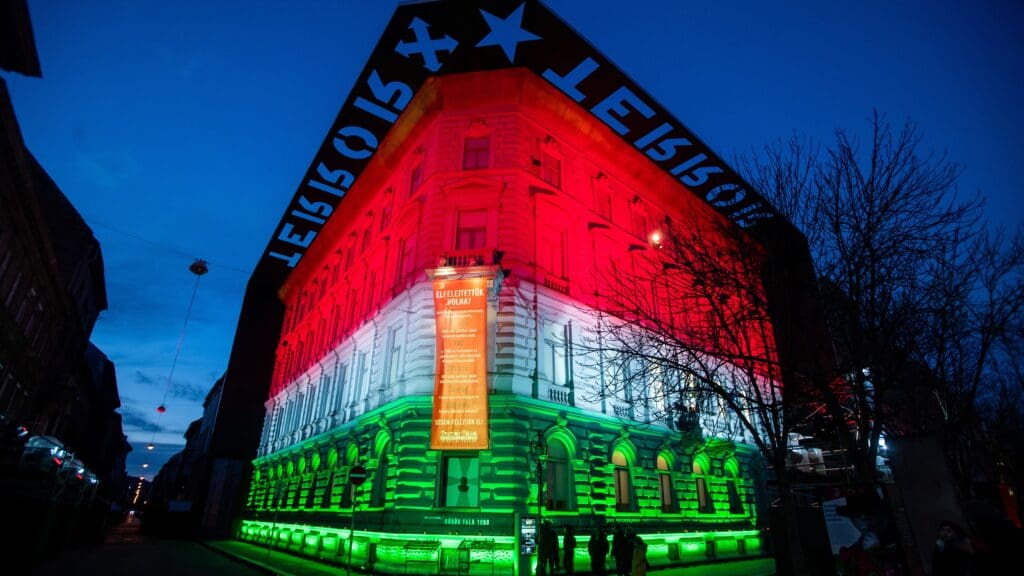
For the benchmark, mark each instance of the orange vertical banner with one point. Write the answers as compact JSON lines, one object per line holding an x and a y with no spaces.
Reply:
{"x":460,"y":381}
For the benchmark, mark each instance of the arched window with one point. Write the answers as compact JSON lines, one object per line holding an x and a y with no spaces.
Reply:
{"x":314,"y":479}
{"x":701,"y":466}
{"x":732,"y":470}
{"x":268,"y":488}
{"x":558,"y":473}
{"x":380,"y":477}
{"x":279,"y":485}
{"x":300,"y":482}
{"x":329,"y":478}
{"x":291,"y":484}
{"x":665,"y":489}
{"x":351,"y":458}
{"x":623,"y":483}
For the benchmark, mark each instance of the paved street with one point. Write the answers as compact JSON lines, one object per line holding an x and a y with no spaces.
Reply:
{"x":129,"y":553}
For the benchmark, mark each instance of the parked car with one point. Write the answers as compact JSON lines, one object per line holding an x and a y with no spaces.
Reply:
{"x":43,"y":453}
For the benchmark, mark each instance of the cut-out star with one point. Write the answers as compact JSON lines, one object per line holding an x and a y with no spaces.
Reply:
{"x":506,"y":32}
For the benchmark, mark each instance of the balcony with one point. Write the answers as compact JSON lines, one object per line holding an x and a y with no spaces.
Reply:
{"x":688,"y":421}
{"x":560,"y":395}
{"x":470,"y":257}
{"x":557,"y":284}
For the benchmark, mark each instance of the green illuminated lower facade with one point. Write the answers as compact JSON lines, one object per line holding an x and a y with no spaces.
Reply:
{"x":423,"y":511}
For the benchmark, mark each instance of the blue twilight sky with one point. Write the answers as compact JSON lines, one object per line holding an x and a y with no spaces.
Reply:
{"x":181,"y":130}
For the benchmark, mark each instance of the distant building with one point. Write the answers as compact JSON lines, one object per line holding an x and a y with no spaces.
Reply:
{"x":179,"y":492}
{"x":417,"y":318}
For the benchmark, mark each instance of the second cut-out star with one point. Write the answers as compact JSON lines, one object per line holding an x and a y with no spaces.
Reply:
{"x":506,"y":32}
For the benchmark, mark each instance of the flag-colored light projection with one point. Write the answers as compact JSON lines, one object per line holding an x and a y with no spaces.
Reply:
{"x":460,"y":385}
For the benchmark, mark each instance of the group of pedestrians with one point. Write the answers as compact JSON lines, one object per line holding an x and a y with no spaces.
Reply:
{"x":548,"y":558}
{"x":627,"y":549}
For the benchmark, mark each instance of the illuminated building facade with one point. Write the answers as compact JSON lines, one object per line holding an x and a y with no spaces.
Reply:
{"x":439,"y":266}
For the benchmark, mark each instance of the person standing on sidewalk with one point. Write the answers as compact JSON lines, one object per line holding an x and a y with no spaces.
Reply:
{"x":622,"y":551}
{"x":569,"y":550}
{"x":640,"y":564}
{"x":598,"y":550}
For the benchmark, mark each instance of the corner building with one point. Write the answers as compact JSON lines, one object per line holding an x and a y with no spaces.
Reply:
{"x":498,"y":176}
{"x":495,"y":192}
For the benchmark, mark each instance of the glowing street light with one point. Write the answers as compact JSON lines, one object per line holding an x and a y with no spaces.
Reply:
{"x":656,"y":238}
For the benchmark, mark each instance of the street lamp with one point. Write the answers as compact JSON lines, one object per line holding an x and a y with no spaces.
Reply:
{"x":539,"y":454}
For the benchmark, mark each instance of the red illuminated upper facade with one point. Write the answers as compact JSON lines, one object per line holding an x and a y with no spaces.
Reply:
{"x":485,"y":168}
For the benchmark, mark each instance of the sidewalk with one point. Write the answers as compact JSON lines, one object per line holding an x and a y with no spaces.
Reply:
{"x":285,"y":564}
{"x":272,"y":561}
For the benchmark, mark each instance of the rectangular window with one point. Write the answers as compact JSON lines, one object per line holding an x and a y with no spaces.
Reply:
{"x":408,"y":257}
{"x":555,"y":252}
{"x":603,"y":200}
{"x":393,"y":356}
{"x":335,"y":322}
{"x":551,"y":169}
{"x":400,"y":269}
{"x":354,"y":308}
{"x":476,"y":153}
{"x":366,"y":241}
{"x":371,"y":294}
{"x":735,"y":503}
{"x":415,"y":178}
{"x":471,"y":230}
{"x":553,"y":365}
{"x":623,"y":490}
{"x":360,"y":384}
{"x":668,"y":500}
{"x":340,"y":383}
{"x":641,"y":226}
{"x":461,"y":482}
{"x":704,"y":504}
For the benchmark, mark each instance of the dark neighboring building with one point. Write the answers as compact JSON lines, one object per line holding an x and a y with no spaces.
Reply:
{"x":55,"y":386}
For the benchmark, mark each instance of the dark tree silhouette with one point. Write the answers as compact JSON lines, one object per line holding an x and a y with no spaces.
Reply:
{"x":685,"y":337}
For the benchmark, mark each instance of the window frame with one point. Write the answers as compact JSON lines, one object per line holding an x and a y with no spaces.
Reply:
{"x":623,"y":482}
{"x":666,"y":487}
{"x":558,"y":478}
{"x":473,"y":232}
{"x":476,"y":152}
{"x":705,"y":503}
{"x":473,"y":489}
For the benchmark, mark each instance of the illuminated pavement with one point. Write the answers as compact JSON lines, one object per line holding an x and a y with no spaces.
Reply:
{"x":126,"y":552}
{"x":285,"y":564}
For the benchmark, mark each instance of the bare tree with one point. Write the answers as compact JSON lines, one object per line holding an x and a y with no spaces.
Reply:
{"x":685,"y":332}
{"x":924,"y":307}
{"x":971,"y":337}
{"x":877,"y":219}
{"x":917,"y":296}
